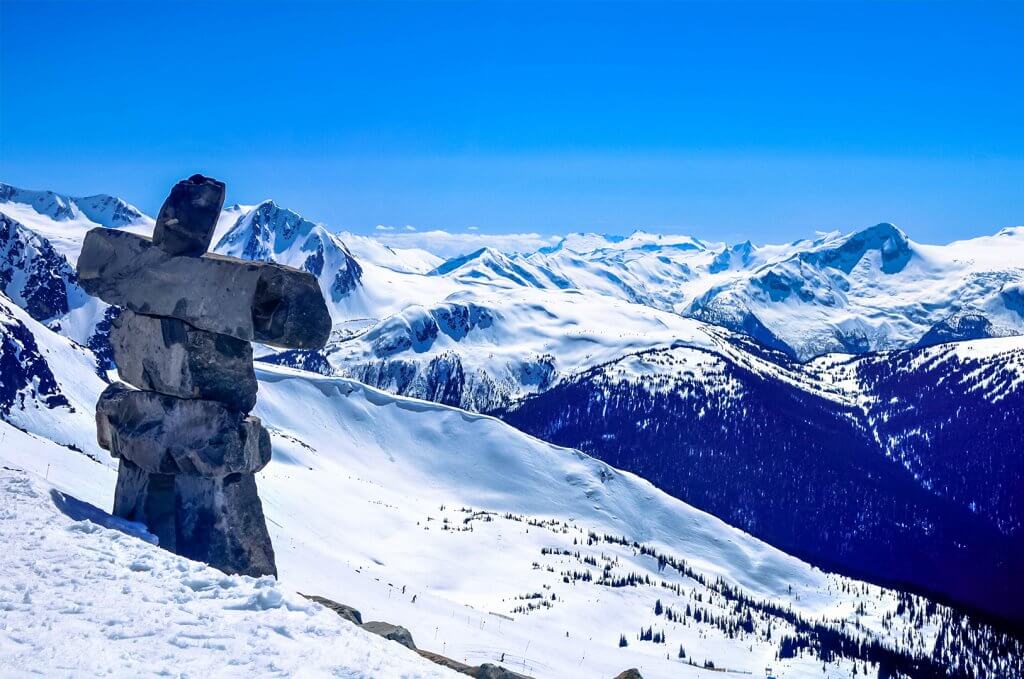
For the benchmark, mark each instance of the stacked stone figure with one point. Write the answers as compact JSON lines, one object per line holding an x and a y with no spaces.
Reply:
{"x":188,"y":450}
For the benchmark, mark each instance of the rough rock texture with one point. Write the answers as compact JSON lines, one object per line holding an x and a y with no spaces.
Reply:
{"x":631,"y":673}
{"x":170,"y":356}
{"x":218,"y":520}
{"x":489,"y":671}
{"x":392,"y":632}
{"x":402,"y":636}
{"x":347,"y":612}
{"x":189,"y":215}
{"x":169,"y":435}
{"x":266,"y":302}
{"x":188,"y":451}
{"x":289,"y":309}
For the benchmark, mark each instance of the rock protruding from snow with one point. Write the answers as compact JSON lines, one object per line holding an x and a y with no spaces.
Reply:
{"x":170,"y":356}
{"x":188,"y":452}
{"x":631,"y":673}
{"x":189,"y":215}
{"x":391,"y":632}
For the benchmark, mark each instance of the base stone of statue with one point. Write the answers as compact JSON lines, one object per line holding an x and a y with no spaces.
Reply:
{"x":188,"y":450}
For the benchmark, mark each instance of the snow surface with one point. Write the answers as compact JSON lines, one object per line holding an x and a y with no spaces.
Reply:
{"x":435,"y":518}
{"x":87,"y":594}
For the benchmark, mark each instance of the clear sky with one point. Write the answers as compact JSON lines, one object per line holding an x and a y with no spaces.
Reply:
{"x":727,"y":120}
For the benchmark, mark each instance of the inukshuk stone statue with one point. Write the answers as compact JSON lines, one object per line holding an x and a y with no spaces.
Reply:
{"x":187,"y":448}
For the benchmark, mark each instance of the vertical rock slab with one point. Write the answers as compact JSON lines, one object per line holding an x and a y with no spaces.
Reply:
{"x":220,"y":521}
{"x":148,"y":499}
{"x":170,"y":356}
{"x":189,"y":215}
{"x":216,"y":520}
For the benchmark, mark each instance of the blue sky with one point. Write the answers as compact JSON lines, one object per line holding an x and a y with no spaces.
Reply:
{"x":727,"y":120}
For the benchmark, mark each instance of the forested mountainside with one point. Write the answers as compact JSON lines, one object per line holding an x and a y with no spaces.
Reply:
{"x":918,"y":462}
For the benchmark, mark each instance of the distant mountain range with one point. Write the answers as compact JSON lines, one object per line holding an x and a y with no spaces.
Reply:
{"x":709,"y":369}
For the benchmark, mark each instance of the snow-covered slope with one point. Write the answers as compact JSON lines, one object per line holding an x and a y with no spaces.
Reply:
{"x":87,"y":594}
{"x":490,"y":545}
{"x":48,"y":384}
{"x":404,"y":260}
{"x":872,"y":464}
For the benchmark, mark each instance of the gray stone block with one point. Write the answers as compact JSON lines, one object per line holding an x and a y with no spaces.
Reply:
{"x":168,"y":435}
{"x":220,"y":522}
{"x":391,"y":632}
{"x":344,"y":610}
{"x":264,"y":302}
{"x":189,"y":215}
{"x":216,"y":520}
{"x":170,"y":356}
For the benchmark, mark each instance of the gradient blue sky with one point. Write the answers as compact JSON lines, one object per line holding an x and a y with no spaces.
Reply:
{"x":730,"y":121}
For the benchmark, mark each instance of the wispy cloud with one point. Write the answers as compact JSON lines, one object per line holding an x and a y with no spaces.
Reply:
{"x":385,"y":227}
{"x":448,"y":244}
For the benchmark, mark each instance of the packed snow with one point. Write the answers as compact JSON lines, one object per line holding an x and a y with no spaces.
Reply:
{"x":87,"y":594}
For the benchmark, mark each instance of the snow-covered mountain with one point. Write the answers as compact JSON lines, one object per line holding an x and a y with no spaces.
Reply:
{"x":271,"y":233}
{"x":63,"y":220}
{"x":88,"y":594}
{"x":876,"y":289}
{"x":481,"y":349}
{"x":382,"y":501}
{"x":874,"y":464}
{"x":587,"y":343}
{"x":869,"y":290}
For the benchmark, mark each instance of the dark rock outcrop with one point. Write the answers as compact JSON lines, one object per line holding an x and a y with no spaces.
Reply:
{"x":346,"y":612}
{"x":958,"y":328}
{"x":403,"y":636}
{"x":631,"y":673}
{"x":391,"y":632}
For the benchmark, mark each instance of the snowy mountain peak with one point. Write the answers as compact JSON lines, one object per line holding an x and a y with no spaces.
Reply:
{"x":485,"y":255}
{"x":891,"y":242}
{"x":32,"y":273}
{"x":488,"y":265}
{"x":265,"y":230}
{"x":269,"y":232}
{"x":102,"y":209}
